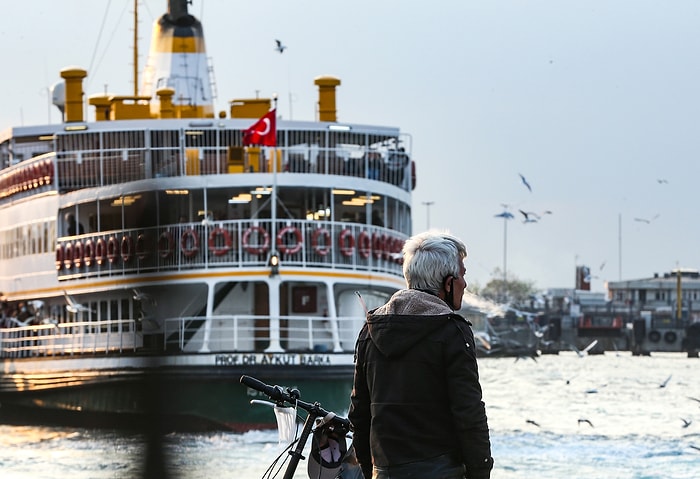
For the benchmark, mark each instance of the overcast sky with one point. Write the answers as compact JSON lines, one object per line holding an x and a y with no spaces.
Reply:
{"x":595,"y":102}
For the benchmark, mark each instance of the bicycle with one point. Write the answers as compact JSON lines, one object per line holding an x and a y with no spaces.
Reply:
{"x":330,"y":457}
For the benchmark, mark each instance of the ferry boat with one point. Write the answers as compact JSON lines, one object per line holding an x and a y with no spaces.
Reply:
{"x":153,"y":254}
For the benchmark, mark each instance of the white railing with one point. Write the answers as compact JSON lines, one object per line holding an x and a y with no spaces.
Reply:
{"x":238,"y":243}
{"x":86,"y":337}
{"x":259,"y":333}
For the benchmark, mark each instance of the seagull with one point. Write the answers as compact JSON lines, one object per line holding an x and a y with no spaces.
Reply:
{"x":525,"y":182}
{"x":585,"y":350}
{"x":530,"y":421}
{"x":661,"y":181}
{"x":602,"y":265}
{"x":586,"y":421}
{"x":686,"y":422}
{"x":506,"y":214}
{"x":280,"y":48}
{"x":663,"y":384}
{"x":143,"y":297}
{"x":695,"y":447}
{"x":645,"y":220}
{"x":527,"y":215}
{"x":693,"y":399}
{"x":73,"y":306}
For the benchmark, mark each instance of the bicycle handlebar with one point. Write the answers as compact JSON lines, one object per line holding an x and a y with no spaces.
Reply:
{"x":278,"y":394}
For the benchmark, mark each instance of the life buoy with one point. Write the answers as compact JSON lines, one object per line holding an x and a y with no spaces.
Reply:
{"x":89,"y":253}
{"x":100,"y":251}
{"x":219,"y":249}
{"x":378,"y":244}
{"x":189,"y":243}
{"x":165,"y":244}
{"x":127,"y":248}
{"x":261,"y":248}
{"x":364,"y":244}
{"x":49,"y":177}
{"x":77,"y":254}
{"x":112,"y":249}
{"x":670,"y":337}
{"x":140,"y":248}
{"x":654,"y":336}
{"x":324,"y":248}
{"x":59,"y":257}
{"x":346,"y":243}
{"x":285,"y":249}
{"x":68,"y":256}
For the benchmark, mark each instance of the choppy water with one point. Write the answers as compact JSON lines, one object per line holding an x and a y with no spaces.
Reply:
{"x":637,"y":428}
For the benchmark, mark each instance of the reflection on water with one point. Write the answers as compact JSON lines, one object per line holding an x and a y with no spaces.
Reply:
{"x":604,"y":416}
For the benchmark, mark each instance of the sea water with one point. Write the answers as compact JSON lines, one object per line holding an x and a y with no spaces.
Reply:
{"x":559,"y":416}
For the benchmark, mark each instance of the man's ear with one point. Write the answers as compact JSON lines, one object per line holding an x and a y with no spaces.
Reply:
{"x":447,"y":285}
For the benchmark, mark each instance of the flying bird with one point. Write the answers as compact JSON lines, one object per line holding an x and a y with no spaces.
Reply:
{"x":530,"y":421}
{"x":693,"y":399}
{"x":280,"y":48}
{"x":585,"y":421}
{"x":662,"y":181}
{"x":663,"y":384}
{"x":645,"y":220}
{"x":73,"y":306}
{"x":530,"y":217}
{"x":525,"y":182}
{"x":686,"y":422}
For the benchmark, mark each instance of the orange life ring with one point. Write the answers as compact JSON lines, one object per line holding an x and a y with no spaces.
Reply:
{"x":346,"y":243}
{"x":49,"y":177}
{"x":189,"y":243}
{"x":127,"y":248}
{"x":59,"y":257}
{"x":140,"y":248}
{"x":100,"y":250}
{"x":165,"y":244}
{"x":219,"y":250}
{"x":89,"y":252}
{"x":364,"y":244}
{"x":283,"y":248}
{"x":77,"y":254}
{"x":112,"y":249}
{"x":378,"y":245}
{"x":68,"y":256}
{"x":321,"y":249}
{"x":256,"y":249}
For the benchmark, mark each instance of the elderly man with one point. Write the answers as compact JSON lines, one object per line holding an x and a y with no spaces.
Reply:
{"x":416,"y":405}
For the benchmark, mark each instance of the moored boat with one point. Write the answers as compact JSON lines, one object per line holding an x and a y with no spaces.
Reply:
{"x":153,"y":255}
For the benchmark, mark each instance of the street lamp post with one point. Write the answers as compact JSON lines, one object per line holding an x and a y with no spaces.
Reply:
{"x":428,"y":204}
{"x":506,"y":215}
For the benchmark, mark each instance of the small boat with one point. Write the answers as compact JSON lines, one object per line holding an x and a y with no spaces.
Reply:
{"x":152,"y":255}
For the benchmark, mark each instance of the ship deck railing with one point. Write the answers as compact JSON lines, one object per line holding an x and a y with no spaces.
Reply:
{"x":224,"y":333}
{"x":231,"y":243}
{"x":77,"y":161}
{"x":84,"y":337}
{"x":246,"y":333}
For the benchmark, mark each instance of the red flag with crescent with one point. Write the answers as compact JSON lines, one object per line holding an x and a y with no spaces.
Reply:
{"x":263,"y":132}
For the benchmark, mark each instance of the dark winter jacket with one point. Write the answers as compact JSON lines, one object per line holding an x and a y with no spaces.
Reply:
{"x":416,"y":391}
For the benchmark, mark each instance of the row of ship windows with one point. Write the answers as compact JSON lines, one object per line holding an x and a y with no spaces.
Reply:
{"x":35,"y":238}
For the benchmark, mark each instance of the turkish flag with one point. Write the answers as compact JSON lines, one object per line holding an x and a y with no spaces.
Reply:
{"x":263,"y":132}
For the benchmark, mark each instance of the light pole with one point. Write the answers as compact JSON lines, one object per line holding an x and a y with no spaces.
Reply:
{"x":506,"y":215}
{"x":428,"y":204}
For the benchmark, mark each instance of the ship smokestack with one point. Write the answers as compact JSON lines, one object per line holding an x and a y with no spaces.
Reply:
{"x":73,"y":77}
{"x":326,"y":97}
{"x":178,"y":60}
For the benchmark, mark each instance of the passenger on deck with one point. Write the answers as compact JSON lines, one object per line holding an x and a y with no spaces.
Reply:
{"x":72,"y":226}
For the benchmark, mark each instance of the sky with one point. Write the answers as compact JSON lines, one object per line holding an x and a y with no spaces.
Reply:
{"x":595,"y":102}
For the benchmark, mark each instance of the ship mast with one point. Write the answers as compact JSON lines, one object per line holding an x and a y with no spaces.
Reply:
{"x":136,"y":47}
